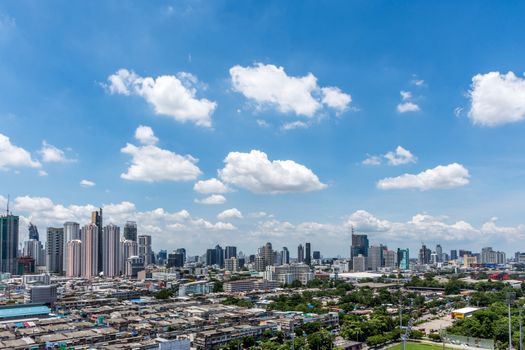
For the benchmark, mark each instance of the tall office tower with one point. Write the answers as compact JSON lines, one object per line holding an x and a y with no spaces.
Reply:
{"x":71,"y":232}
{"x":210,"y":257}
{"x":74,"y":258}
{"x":453,"y":254}
{"x":308,"y":255}
{"x":267,"y":254}
{"x":34,"y":249}
{"x":439,"y":253}
{"x":389,"y":258}
{"x":219,"y":255}
{"x":316,"y":255}
{"x":162,"y":257}
{"x":230,"y":252}
{"x":55,"y":249}
{"x":33,"y":232}
{"x":285,"y":256}
{"x":145,"y":249}
{"x":375,"y":257}
{"x":128,"y":248}
{"x":463,"y":252}
{"x":175,"y":260}
{"x":97,"y":219}
{"x":425,"y":255}
{"x":130,"y":231}
{"x":111,"y":251}
{"x":403,"y":259}
{"x":182,"y":251}
{"x":89,"y":251}
{"x":8,"y":243}
{"x":359,"y":245}
{"x":359,"y":263}
{"x":300,"y":253}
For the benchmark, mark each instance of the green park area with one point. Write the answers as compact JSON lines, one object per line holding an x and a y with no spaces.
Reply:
{"x":418,"y":346}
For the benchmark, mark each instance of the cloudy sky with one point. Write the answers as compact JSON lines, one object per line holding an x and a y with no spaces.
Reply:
{"x":238,"y":123}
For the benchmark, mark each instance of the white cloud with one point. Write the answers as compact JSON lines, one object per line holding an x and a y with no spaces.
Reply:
{"x":214,"y":199}
{"x":405,"y":95}
{"x":210,"y":186}
{"x":440,"y":177}
{"x":232,"y":213}
{"x":170,"y":95}
{"x":87,"y":183}
{"x":515,"y":234}
{"x":497,"y":99}
{"x":52,"y":154}
{"x":333,"y":97}
{"x":269,"y":85}
{"x":417,"y":82}
{"x":363,"y":221}
{"x":254,"y":172}
{"x":42,"y":173}
{"x":145,"y":135}
{"x":407,"y":107}
{"x":295,"y":125}
{"x":400,"y":156}
{"x":262,"y":123}
{"x":12,"y":156}
{"x":372,"y":160}
{"x":153,"y":164}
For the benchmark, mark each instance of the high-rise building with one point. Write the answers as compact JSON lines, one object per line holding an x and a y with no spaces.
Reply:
{"x":267,"y":254}
{"x":182,"y":251}
{"x":9,"y":243}
{"x":89,"y":251}
{"x":316,"y":255}
{"x":389,"y":259}
{"x":425,"y":255}
{"x":300,"y":253}
{"x":55,"y":249}
{"x":219,"y":256}
{"x":97,"y":219}
{"x":111,"y":250}
{"x":25,"y":265}
{"x":231,"y":264}
{"x":211,"y":258}
{"x":403,"y":259}
{"x":162,"y":257}
{"x":308,"y":254}
{"x":145,"y":248}
{"x":134,"y":265}
{"x":230,"y":252}
{"x":34,"y":249}
{"x":359,"y":245}
{"x":453,"y":254}
{"x":130,"y":231}
{"x":33,"y":232}
{"x":128,"y":248}
{"x":375,"y":257}
{"x":74,"y":258}
{"x":285,"y":256}
{"x":175,"y":260}
{"x":359,"y":263}
{"x":463,"y":252}
{"x":439,"y":253}
{"x":489,"y":256}
{"x":71,"y":232}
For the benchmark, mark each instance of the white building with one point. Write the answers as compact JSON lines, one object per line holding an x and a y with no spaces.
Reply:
{"x":145,"y":248}
{"x":89,"y":235}
{"x":111,"y":250}
{"x":74,"y":258}
{"x":287,"y":274}
{"x":71,"y":232}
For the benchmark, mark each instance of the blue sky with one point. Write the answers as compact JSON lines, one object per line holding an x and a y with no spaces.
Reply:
{"x":430,"y":77}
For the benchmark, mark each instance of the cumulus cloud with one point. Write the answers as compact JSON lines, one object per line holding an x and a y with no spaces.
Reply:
{"x":256,"y":173}
{"x":87,"y":183}
{"x":406,"y":104}
{"x":52,"y":154}
{"x":214,"y":199}
{"x":295,"y":125}
{"x":363,"y":221}
{"x":150,"y":163}
{"x":440,"y":177}
{"x":269,"y":85}
{"x":372,"y":160}
{"x":497,"y":99}
{"x":210,"y":186}
{"x":400,"y":156}
{"x":145,"y":135}
{"x":170,"y":95}
{"x":42,"y":173}
{"x":232,"y":213}
{"x":12,"y":156}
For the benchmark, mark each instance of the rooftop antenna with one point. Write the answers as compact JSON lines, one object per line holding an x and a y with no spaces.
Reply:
{"x":7,"y":211}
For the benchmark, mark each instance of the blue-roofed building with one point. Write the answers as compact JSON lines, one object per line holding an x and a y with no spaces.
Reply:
{"x":23,"y":311}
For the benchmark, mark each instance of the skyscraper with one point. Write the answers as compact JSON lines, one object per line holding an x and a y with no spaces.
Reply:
{"x":111,"y":250}
{"x":89,"y":251}
{"x":8,"y":243}
{"x":55,"y":249}
{"x":128,"y":248}
{"x":308,"y":255}
{"x":425,"y":255}
{"x":219,"y":255}
{"x":71,"y":232}
{"x":403,"y":259}
{"x":145,"y":249}
{"x":210,"y":257}
{"x":300,"y":253}
{"x":130,"y":231}
{"x":182,"y":251}
{"x":97,"y":219}
{"x":33,"y":232}
{"x":34,"y":249}
{"x":453,"y":254}
{"x":439,"y":253}
{"x":375,"y":257}
{"x":74,"y":258}
{"x":359,"y":245}
{"x":230,"y":252}
{"x":285,"y":256}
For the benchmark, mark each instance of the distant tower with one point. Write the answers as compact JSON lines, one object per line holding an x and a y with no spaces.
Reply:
{"x":33,"y":232}
{"x":300,"y":253}
{"x":285,"y":256}
{"x":8,"y":242}
{"x":55,"y":249}
{"x":145,"y":249}
{"x":71,"y":232}
{"x":97,"y":219}
{"x":130,"y":231}
{"x":89,"y":234}
{"x":128,"y":248}
{"x":74,"y":258}
{"x":308,"y":256}
{"x":110,"y":250}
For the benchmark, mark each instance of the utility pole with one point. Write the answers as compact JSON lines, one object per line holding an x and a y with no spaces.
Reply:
{"x":510,"y":298}
{"x":521,"y":331}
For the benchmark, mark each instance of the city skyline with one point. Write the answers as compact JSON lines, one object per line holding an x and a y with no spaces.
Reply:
{"x":393,"y":128}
